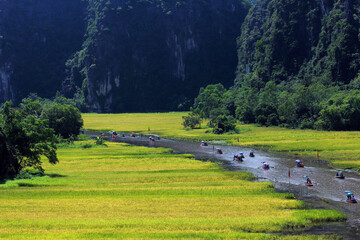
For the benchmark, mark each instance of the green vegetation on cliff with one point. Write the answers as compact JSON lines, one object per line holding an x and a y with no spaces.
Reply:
{"x":299,"y":66}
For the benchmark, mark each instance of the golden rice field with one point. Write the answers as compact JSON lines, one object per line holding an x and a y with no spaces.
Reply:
{"x":342,"y":149}
{"x":121,"y":191}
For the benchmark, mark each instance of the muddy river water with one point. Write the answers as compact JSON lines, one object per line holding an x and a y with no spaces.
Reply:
{"x":327,"y":192}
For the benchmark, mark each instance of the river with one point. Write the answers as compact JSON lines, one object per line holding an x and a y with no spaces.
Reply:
{"x":327,"y":192}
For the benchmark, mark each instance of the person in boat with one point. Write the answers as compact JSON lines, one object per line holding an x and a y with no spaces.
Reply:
{"x":340,"y":174}
{"x":308,"y":181}
{"x":123,"y":134}
{"x":203,"y":143}
{"x":266,"y":165}
{"x":299,"y":163}
{"x":219,"y":151}
{"x":114,"y":133}
{"x":152,"y":139}
{"x":252,"y":154}
{"x":348,"y":196}
{"x":238,"y":157}
{"x":132,"y":134}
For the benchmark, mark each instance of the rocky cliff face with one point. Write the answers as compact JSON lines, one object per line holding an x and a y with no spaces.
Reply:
{"x":6,"y":90}
{"x":154,"y":55}
{"x":36,"y":39}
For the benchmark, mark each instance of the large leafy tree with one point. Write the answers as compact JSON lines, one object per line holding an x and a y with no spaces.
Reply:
{"x":24,"y":138}
{"x":210,"y":101}
{"x":65,"y":119}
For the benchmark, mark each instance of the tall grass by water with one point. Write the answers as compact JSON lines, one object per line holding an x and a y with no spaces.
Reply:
{"x":122,"y":191}
{"x":341,"y":149}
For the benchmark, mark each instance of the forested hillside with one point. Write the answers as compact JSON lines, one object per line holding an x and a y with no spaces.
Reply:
{"x":299,"y":65}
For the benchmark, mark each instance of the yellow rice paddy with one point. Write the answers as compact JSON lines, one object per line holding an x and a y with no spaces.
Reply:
{"x":127,"y":192}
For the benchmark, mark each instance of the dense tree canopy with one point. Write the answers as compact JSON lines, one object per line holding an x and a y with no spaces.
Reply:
{"x":210,"y":100}
{"x":65,"y":119}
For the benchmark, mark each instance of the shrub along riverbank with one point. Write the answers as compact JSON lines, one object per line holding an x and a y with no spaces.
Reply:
{"x":340,"y":148}
{"x":123,"y":191}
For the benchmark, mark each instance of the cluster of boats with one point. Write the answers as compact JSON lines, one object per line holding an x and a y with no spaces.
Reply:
{"x":339,"y":174}
{"x":113,"y":134}
{"x":265,"y":165}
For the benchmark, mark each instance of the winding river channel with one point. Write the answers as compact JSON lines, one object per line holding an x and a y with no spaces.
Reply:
{"x":327,"y":192}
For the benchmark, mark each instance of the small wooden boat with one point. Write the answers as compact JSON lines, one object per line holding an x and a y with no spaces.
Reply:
{"x":340,"y":175}
{"x":238,"y":158}
{"x":299,"y":163}
{"x":252,"y":154}
{"x":350,"y":197}
{"x":265,"y":165}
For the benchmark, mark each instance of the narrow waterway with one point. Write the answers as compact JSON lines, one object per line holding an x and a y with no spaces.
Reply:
{"x":327,"y":192}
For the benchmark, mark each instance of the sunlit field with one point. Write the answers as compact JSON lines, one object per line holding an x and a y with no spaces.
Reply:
{"x":342,"y":149}
{"x":123,"y":191}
